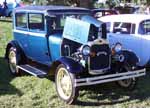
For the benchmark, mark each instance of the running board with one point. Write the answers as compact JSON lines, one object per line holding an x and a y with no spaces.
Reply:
{"x":32,"y":70}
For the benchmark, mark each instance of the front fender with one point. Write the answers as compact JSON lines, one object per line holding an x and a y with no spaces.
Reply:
{"x":129,"y":57}
{"x":71,"y":65}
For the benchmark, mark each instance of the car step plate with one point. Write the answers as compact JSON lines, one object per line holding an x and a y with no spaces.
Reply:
{"x":32,"y":70}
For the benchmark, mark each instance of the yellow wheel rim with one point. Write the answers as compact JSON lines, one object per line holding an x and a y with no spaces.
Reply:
{"x":64,"y":83}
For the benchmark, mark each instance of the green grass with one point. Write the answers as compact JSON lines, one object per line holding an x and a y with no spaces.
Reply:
{"x":32,"y":92}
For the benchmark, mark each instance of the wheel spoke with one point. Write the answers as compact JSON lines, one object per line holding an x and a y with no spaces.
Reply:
{"x":12,"y":61}
{"x":64,"y":83}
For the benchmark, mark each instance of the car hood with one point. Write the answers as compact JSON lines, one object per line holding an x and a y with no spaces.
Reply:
{"x":92,"y":20}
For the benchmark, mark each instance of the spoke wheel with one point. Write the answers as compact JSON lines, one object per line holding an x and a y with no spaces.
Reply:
{"x":65,"y":85}
{"x":13,"y":61}
{"x":128,"y":84}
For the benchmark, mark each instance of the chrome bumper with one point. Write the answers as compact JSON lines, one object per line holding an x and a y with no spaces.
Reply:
{"x":109,"y":78}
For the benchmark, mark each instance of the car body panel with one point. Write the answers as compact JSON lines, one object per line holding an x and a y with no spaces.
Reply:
{"x":55,"y":41}
{"x":135,"y":42}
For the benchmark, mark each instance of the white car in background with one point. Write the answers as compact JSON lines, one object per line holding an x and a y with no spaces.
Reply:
{"x":132,"y":31}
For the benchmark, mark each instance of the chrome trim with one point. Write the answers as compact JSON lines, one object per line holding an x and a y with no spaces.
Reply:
{"x":101,"y":71}
{"x":109,"y":78}
{"x":98,"y":72}
{"x":40,"y":34}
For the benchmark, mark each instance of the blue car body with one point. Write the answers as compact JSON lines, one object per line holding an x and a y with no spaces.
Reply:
{"x":33,"y":39}
{"x":65,"y":42}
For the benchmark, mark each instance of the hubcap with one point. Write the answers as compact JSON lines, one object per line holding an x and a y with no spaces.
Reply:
{"x":125,"y":83}
{"x":12,"y":61}
{"x":64,"y":84}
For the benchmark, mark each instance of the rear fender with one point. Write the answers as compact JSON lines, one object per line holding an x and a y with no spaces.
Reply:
{"x":14,"y":43}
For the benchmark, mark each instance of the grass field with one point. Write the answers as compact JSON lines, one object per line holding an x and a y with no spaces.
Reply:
{"x":31,"y":92}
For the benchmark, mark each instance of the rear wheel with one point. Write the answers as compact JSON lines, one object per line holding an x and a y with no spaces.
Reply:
{"x":128,"y":84}
{"x":13,"y":61}
{"x":65,"y":85}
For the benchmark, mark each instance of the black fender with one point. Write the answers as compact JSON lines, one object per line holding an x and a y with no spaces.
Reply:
{"x":15,"y":44}
{"x":71,"y":65}
{"x":129,"y":57}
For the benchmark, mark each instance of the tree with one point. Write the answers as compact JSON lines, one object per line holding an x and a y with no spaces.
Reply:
{"x":148,"y":2}
{"x":77,"y":3}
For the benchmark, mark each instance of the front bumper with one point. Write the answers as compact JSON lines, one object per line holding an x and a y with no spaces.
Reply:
{"x":109,"y":78}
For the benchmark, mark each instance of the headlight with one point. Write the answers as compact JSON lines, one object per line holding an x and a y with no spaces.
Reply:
{"x":85,"y":50}
{"x":118,"y":47}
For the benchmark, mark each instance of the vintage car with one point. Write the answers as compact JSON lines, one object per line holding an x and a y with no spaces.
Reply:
{"x":43,"y":46}
{"x":99,"y":12}
{"x":132,"y":31}
{"x":7,"y":6}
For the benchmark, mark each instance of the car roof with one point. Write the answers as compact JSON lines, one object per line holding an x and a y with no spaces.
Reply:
{"x":50,"y":8}
{"x":134,"y":18}
{"x":103,"y":9}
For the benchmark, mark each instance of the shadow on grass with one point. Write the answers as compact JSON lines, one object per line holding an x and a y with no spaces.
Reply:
{"x":110,"y":94}
{"x":5,"y":79}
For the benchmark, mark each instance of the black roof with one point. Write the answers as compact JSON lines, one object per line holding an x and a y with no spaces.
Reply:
{"x":103,"y":9}
{"x":51,"y":8}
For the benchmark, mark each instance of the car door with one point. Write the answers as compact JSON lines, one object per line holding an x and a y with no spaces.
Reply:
{"x":37,"y":38}
{"x":20,"y":31}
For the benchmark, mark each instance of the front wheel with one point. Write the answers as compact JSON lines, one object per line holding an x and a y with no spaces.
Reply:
{"x":128,"y":84}
{"x":65,"y":85}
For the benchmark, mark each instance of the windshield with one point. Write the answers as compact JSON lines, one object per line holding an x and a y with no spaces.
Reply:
{"x":144,"y":27}
{"x":58,"y":21}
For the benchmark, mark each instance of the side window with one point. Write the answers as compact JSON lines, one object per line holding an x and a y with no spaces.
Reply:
{"x":21,"y":20}
{"x":124,"y":28}
{"x":144,"y":27}
{"x":36,"y":22}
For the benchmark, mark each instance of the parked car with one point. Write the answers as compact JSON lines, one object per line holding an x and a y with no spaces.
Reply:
{"x":99,"y":12}
{"x":7,"y":6}
{"x":42,"y":45}
{"x":132,"y":31}
{"x":128,"y":9}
